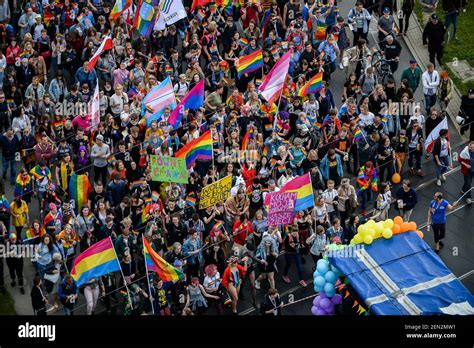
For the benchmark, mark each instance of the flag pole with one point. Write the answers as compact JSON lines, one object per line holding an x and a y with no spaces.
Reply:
{"x":121,"y":272}
{"x":363,"y":135}
{"x":148,"y":279}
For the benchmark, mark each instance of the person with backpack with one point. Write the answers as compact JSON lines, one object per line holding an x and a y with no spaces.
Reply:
{"x":182,"y":87}
{"x":368,"y":81}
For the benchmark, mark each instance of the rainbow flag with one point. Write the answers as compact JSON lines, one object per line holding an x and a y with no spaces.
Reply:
{"x":217,"y":226}
{"x":281,"y":168}
{"x":321,"y":31}
{"x":193,"y":100}
{"x":120,"y":7}
{"x":79,"y":189}
{"x":31,"y":233}
{"x":243,"y":41}
{"x":304,"y":192}
{"x":39,"y":174}
{"x":358,"y":135}
{"x":265,"y":20}
{"x":135,"y":184}
{"x":265,"y":151}
{"x":197,"y":3}
{"x":258,"y":82}
{"x":168,"y":70}
{"x":249,"y":63}
{"x":200,"y":15}
{"x":245,"y":141}
{"x":155,"y":263}
{"x":155,"y":196}
{"x":145,"y":17}
{"x":269,"y":127}
{"x":313,"y":85}
{"x":145,"y":213}
{"x":148,"y":200}
{"x":275,"y":51}
{"x":317,"y":125}
{"x":191,"y":201}
{"x":95,"y":261}
{"x":200,"y":148}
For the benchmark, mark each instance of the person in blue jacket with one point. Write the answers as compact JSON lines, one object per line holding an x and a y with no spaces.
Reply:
{"x":68,"y":292}
{"x":331,"y":167}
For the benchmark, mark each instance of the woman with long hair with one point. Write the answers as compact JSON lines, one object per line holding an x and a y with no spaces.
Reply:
{"x":232,"y":279}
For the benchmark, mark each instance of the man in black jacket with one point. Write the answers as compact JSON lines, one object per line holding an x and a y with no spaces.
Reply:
{"x":433,"y":34}
{"x":467,"y":110}
{"x":38,"y":299}
{"x":9,"y":143}
{"x":392,"y":50}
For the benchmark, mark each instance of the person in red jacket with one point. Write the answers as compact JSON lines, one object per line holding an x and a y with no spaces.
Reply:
{"x":242,"y":228}
{"x":232,"y":279}
{"x":466,"y":158}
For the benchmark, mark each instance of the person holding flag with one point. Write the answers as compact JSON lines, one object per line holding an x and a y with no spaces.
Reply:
{"x":442,"y":156}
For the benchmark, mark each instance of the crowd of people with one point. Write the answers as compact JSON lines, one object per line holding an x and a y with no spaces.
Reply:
{"x":45,"y":49}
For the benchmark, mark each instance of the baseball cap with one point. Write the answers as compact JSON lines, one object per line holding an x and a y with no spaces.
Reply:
{"x":214,"y":59}
{"x":298,"y":26}
{"x":434,"y":16}
{"x":412,"y":61}
{"x":386,"y":10}
{"x":100,"y":137}
{"x":471,"y":91}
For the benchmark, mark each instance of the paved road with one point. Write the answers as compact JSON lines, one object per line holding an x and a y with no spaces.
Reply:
{"x":459,"y":229}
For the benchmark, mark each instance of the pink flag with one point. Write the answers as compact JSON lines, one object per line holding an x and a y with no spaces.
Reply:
{"x":271,"y":87}
{"x":107,"y":44}
{"x":94,"y":107}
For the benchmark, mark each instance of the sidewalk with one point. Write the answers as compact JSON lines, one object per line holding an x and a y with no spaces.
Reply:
{"x":414,"y":41}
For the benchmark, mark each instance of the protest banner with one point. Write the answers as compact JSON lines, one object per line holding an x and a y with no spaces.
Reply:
{"x":168,"y":169}
{"x":281,"y":208}
{"x":216,"y":192}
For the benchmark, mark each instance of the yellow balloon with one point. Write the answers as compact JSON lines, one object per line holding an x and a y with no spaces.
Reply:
{"x":387,"y":233}
{"x":370,"y":223}
{"x":361,"y":229}
{"x":357,"y":238}
{"x":368,"y":239}
{"x":378,"y":227}
{"x":388,"y":223}
{"x":378,"y":234}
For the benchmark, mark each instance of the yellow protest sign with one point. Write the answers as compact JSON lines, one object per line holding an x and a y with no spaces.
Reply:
{"x":216,"y":192}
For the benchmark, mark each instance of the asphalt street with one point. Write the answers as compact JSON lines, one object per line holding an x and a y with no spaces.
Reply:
{"x":459,"y":242}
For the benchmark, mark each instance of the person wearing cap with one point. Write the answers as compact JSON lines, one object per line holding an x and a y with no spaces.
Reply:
{"x":412,"y":74}
{"x":442,"y":156}
{"x":359,"y":18}
{"x":467,"y":112}
{"x":433,"y":35}
{"x":99,"y":154}
{"x":385,"y":26}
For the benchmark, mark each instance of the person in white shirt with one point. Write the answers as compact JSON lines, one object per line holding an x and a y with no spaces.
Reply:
{"x":117,"y":100}
{"x":366,"y":118}
{"x":182,"y":87}
{"x":418,"y":116}
{"x":330,"y":198}
{"x":383,"y":201}
{"x":430,"y":80}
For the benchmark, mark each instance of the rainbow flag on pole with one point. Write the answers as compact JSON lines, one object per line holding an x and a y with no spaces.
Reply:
{"x":249,"y":63}
{"x":155,"y":263}
{"x":200,"y":148}
{"x":245,"y":141}
{"x":120,"y":7}
{"x":313,"y":85}
{"x":358,"y":135}
{"x":79,"y":189}
{"x":145,"y":17}
{"x":95,"y":261}
{"x":304,"y":192}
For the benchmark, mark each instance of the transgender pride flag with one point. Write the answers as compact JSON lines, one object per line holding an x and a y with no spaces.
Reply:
{"x":193,"y":100}
{"x":157,"y":99}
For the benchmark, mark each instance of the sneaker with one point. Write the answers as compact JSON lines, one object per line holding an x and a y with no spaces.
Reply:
{"x":257,"y":284}
{"x":341,"y":66}
{"x":303,"y":283}
{"x":438,"y":182}
{"x":436,"y":251}
{"x":420,"y":173}
{"x":443,"y":177}
{"x":286,"y":279}
{"x":22,"y":290}
{"x":469,"y":201}
{"x":441,"y":244}
{"x":412,"y":171}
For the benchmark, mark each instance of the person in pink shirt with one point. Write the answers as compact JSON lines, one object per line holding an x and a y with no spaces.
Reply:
{"x":84,"y":121}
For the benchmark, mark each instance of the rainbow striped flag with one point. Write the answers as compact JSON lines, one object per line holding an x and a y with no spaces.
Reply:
{"x":145,"y":213}
{"x":269,"y":127}
{"x":217,"y":226}
{"x":245,"y":141}
{"x":358,"y":135}
{"x":265,"y":151}
{"x":120,"y":7}
{"x":200,"y":15}
{"x":200,"y":148}
{"x":281,"y":168}
{"x":304,"y":192}
{"x":155,"y":196}
{"x":135,"y":184}
{"x":249,"y":63}
{"x":148,"y":200}
{"x":243,"y":41}
{"x":39,"y":174}
{"x":313,"y":85}
{"x":145,"y":17}
{"x":191,"y":201}
{"x":95,"y":261}
{"x":155,"y":263}
{"x":275,"y":52}
{"x":79,"y":189}
{"x":321,"y":31}
{"x":317,"y":125}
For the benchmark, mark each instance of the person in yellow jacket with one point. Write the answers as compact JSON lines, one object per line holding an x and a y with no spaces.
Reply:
{"x":19,"y":212}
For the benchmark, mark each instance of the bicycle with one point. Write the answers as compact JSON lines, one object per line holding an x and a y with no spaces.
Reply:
{"x":382,"y":68}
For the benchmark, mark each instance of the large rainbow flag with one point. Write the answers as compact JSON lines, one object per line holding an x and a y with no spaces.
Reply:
{"x":304,"y":192}
{"x":120,"y":7}
{"x":95,"y":261}
{"x":245,"y":141}
{"x":79,"y":189}
{"x":313,"y":85}
{"x":193,"y":100}
{"x":155,"y":263}
{"x":200,"y":148}
{"x":249,"y":63}
{"x":39,"y":174}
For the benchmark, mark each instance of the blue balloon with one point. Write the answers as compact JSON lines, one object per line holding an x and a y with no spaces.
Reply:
{"x":317,"y":274}
{"x":319,"y":281}
{"x":335,"y":270}
{"x":330,"y":293}
{"x":322,"y":268}
{"x":322,"y":261}
{"x":331,"y":277}
{"x":328,"y":287}
{"x":318,"y":288}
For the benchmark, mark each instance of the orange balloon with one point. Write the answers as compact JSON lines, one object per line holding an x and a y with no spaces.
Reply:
{"x":420,"y":234}
{"x":413,"y":226}
{"x":395,"y":229}
{"x":396,"y":178}
{"x":398,"y":220}
{"x":405,"y":227}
